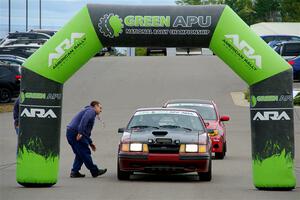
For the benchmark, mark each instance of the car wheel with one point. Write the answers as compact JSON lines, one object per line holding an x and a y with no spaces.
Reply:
{"x":206,"y":176}
{"x":5,"y":95}
{"x":122,"y":175}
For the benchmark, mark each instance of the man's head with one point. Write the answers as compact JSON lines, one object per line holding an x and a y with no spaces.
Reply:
{"x":97,"y":106}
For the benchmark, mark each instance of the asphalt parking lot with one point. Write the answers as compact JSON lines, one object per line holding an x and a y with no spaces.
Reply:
{"x":124,"y":84}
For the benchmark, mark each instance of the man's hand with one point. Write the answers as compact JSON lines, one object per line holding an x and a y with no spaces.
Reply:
{"x":78,"y":136}
{"x":93,"y":147}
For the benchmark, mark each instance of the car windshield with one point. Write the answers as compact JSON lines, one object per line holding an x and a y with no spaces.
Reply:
{"x":207,"y":111}
{"x":158,"y":119}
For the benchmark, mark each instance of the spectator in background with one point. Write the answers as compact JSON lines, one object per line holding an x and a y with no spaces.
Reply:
{"x":16,"y":115}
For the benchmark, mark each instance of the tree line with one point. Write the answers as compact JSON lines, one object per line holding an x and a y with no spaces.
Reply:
{"x":255,"y":11}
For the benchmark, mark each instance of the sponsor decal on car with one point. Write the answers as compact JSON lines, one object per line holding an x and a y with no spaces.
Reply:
{"x":271,"y":115}
{"x":65,"y":49}
{"x":270,"y":98}
{"x":166,"y":112}
{"x":112,"y":25}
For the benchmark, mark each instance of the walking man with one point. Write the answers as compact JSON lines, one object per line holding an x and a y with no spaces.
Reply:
{"x":79,"y":137}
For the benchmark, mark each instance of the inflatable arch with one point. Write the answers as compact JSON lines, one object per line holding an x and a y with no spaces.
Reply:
{"x":216,"y":27}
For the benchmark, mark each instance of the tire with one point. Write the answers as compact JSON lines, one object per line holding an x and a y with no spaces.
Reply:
{"x":122,"y":175}
{"x":5,"y":95}
{"x":206,"y":176}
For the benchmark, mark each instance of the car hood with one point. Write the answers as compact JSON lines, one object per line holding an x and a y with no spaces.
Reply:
{"x":181,"y":136}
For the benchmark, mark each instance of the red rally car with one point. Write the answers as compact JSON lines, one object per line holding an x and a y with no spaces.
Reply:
{"x":165,"y":141}
{"x":214,"y":122}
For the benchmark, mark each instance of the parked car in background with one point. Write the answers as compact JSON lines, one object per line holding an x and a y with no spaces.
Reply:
{"x":288,"y":49}
{"x":45,"y":31}
{"x":23,"y":42}
{"x":269,"y":38}
{"x":12,"y":59}
{"x":24,"y":36}
{"x":10,"y":76}
{"x":214,"y":121}
{"x":165,"y":141}
{"x":23,"y":51}
{"x":295,"y":63}
{"x":156,"y":51}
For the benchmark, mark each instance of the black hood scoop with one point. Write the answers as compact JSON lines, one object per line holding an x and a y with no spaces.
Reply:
{"x":159,"y":133}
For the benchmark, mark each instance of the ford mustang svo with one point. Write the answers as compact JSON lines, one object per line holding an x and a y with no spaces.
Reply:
{"x":165,"y":141}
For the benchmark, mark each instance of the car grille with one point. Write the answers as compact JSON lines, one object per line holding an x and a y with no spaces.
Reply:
{"x":163,"y":148}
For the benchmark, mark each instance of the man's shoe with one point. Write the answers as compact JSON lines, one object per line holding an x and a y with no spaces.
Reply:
{"x":76,"y":175}
{"x":100,"y":172}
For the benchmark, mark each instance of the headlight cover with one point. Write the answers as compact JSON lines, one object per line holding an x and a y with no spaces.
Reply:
{"x":191,"y":148}
{"x":136,"y":147}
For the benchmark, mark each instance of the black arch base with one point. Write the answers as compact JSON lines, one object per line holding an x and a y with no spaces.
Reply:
{"x":37,"y":185}
{"x":272,"y":128}
{"x":276,"y":188}
{"x":39,"y":137}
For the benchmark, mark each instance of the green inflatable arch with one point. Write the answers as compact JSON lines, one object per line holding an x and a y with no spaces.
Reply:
{"x":216,"y":27}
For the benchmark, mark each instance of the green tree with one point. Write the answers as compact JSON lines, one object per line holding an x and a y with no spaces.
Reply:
{"x":267,"y":10}
{"x":244,"y":8}
{"x":290,"y":10}
{"x":140,"y":51}
{"x":197,"y":2}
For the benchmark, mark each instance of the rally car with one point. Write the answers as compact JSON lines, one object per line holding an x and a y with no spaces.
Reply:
{"x":214,"y":122}
{"x":165,"y":141}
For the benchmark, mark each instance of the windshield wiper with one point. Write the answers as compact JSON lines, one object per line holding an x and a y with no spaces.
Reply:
{"x":143,"y":126}
{"x":174,"y":126}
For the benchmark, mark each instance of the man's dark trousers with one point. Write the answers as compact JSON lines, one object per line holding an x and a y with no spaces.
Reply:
{"x":82,"y":153}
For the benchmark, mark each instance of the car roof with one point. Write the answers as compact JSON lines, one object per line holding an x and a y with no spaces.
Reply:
{"x":200,"y":101}
{"x":289,"y":42}
{"x":11,"y":57}
{"x":279,"y":35}
{"x":166,"y":109}
{"x":24,"y":34}
{"x":31,"y":45}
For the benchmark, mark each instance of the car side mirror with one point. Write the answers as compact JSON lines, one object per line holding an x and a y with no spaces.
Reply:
{"x":225,"y":118}
{"x":121,"y":130}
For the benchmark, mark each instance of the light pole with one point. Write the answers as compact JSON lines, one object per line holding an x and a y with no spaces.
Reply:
{"x":9,"y":16}
{"x":26,"y":15}
{"x":40,"y":1}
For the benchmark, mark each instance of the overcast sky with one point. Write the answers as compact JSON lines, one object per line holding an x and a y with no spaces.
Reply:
{"x":55,"y":13}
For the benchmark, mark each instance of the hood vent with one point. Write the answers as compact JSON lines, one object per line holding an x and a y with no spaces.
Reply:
{"x":160,"y":133}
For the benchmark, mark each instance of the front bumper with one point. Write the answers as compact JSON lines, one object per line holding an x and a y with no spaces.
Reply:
{"x":163,"y":163}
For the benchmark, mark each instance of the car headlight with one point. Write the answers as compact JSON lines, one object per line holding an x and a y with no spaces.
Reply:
{"x":202,"y":149}
{"x":191,"y":148}
{"x":136,"y":147}
{"x":125,"y":147}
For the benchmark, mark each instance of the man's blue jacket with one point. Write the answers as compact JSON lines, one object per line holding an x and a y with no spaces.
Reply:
{"x":83,"y":123}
